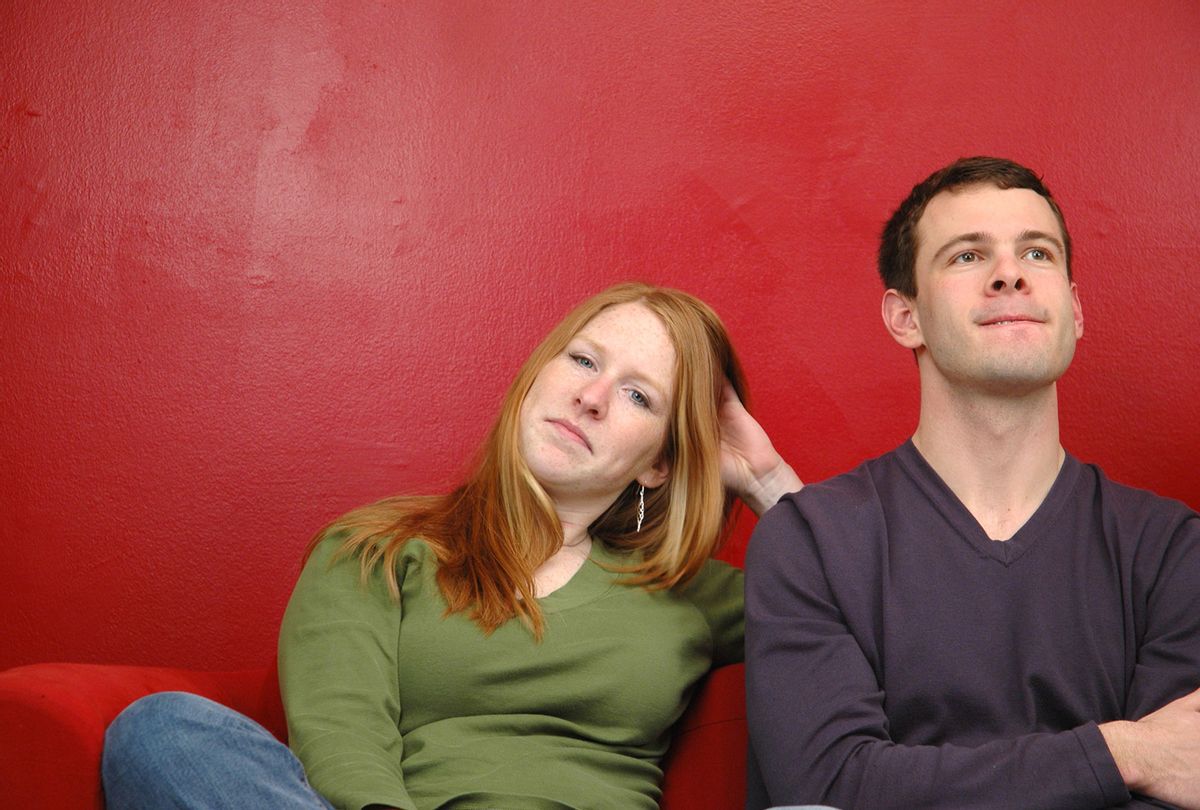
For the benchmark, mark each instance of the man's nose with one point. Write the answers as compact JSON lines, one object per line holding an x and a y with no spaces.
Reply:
{"x":1008,"y":276}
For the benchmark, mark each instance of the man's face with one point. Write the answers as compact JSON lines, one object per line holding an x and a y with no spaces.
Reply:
{"x":994,"y":309}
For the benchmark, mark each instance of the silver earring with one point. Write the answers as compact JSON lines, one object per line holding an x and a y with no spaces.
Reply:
{"x":641,"y":506}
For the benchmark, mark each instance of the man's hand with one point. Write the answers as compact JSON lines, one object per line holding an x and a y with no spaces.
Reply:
{"x":1159,"y":755}
{"x":750,"y":467}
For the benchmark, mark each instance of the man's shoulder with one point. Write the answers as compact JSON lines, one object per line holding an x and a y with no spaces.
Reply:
{"x":1136,"y":507}
{"x":856,"y":489}
{"x":835,"y":528}
{"x":849,"y":504}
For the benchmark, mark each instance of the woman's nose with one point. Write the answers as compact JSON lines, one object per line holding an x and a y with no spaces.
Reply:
{"x":593,"y":398}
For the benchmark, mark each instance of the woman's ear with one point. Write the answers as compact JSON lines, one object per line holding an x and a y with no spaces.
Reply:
{"x":656,"y":475}
{"x":900,"y":318}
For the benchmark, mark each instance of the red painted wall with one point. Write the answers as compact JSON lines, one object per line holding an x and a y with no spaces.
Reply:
{"x":263,"y":262}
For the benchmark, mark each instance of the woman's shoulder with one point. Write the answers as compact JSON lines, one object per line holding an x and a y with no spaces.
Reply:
{"x":715,"y":581}
{"x":713,"y":576}
{"x":342,"y":545}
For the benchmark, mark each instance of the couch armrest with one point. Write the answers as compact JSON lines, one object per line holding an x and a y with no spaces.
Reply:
{"x":706,"y":764}
{"x":54,"y":717}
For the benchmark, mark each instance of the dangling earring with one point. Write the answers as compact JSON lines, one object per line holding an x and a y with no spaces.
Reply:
{"x":641,"y":506}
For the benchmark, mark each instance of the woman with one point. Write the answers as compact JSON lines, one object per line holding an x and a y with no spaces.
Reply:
{"x":528,"y":640}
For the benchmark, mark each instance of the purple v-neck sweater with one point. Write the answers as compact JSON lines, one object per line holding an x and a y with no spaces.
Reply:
{"x":897,"y":657}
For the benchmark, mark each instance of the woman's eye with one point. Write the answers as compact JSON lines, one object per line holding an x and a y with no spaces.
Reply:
{"x":639,"y":398}
{"x":966,"y":257}
{"x":586,"y":362}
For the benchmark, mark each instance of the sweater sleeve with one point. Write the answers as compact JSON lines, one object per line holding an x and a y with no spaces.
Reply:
{"x":337,"y":670}
{"x":815,"y":707}
{"x":1167,"y":589}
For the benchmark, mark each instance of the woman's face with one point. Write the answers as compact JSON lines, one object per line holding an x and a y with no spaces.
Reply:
{"x":596,"y":416}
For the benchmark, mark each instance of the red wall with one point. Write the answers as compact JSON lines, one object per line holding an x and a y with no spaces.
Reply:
{"x":263,"y":262}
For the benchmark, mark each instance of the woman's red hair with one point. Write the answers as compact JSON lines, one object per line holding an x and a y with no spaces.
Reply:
{"x":492,"y":532}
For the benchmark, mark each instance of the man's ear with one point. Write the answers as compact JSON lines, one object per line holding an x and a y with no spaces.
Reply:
{"x":656,"y":475}
{"x":900,"y":318}
{"x":1077,"y":310}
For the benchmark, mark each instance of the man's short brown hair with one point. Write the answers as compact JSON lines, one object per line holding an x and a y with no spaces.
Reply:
{"x":898,"y":244}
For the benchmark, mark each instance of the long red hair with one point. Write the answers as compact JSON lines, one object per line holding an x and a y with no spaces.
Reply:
{"x":492,"y":532}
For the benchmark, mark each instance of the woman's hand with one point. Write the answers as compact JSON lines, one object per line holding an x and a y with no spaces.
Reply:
{"x":750,"y":466}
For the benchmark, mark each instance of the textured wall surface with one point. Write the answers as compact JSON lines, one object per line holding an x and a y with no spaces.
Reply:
{"x":262,"y":262}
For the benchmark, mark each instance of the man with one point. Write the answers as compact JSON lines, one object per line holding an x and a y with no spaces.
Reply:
{"x":974,"y":619}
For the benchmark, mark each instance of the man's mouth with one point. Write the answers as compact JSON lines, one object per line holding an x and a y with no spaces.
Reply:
{"x":1008,"y":320}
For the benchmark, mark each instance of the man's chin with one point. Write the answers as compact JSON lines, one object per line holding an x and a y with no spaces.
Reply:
{"x":1018,"y":381}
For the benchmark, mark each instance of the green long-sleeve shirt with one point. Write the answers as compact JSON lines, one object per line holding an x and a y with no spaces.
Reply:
{"x":406,"y":706}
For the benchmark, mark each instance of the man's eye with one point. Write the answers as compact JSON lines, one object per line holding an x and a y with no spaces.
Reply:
{"x":966,"y":257}
{"x":1037,"y":254}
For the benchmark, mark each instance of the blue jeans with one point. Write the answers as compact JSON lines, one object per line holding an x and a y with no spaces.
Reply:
{"x":176,"y":750}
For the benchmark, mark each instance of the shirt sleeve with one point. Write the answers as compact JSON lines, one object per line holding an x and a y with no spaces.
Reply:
{"x":337,"y":671}
{"x":1167,"y":617}
{"x":818,"y":729}
{"x":717,"y":592}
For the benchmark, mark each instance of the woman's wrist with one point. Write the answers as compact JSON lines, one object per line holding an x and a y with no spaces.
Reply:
{"x":766,"y":490}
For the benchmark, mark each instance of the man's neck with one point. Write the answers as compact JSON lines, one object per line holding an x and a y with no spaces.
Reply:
{"x":999,"y":455}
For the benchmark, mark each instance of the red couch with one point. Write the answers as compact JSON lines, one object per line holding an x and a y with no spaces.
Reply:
{"x":53,"y":717}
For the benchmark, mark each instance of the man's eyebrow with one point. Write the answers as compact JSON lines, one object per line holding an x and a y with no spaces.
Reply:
{"x":1041,"y":236}
{"x":975,"y":237}
{"x":979,"y":237}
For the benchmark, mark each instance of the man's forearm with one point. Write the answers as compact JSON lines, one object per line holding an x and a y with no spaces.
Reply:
{"x":1159,"y":755}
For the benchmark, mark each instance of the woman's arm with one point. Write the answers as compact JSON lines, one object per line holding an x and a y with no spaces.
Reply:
{"x":337,"y":672}
{"x":750,"y":466}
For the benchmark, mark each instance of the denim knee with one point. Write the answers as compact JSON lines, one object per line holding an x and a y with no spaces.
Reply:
{"x":175,"y":749}
{"x":155,"y":720}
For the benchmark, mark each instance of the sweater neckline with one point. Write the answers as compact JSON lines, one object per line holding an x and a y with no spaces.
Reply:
{"x":960,"y":518}
{"x":589,"y":583}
